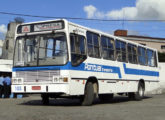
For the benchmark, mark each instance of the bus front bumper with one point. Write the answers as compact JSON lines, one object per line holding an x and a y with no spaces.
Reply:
{"x":51,"y":88}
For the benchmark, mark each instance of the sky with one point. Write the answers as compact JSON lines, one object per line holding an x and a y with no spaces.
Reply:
{"x":93,"y":9}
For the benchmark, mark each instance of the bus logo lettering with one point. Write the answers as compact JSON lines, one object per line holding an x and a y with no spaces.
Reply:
{"x":91,"y":67}
{"x":98,"y":68}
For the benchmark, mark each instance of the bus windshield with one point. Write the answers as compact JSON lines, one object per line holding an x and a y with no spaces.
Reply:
{"x":41,"y":50}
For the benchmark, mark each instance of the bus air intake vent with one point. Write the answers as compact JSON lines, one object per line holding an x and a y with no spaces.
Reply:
{"x":37,"y":76}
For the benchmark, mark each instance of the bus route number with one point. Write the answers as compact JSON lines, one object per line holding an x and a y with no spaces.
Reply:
{"x":18,"y":88}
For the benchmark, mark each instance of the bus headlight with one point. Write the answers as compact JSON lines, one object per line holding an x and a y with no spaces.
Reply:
{"x":14,"y":81}
{"x":58,"y":79}
{"x":17,"y":80}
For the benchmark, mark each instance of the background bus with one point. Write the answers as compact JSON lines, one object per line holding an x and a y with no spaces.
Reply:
{"x":61,"y":59}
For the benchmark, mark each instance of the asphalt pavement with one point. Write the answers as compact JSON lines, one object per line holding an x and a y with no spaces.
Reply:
{"x":120,"y":108}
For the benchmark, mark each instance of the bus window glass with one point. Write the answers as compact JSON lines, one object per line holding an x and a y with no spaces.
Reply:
{"x":93,"y":45}
{"x":96,"y":41}
{"x":155,"y":59}
{"x":90,"y":50}
{"x":103,"y":42}
{"x":96,"y":46}
{"x":134,"y":49}
{"x":96,"y":52}
{"x":50,"y":45}
{"x":41,"y":50}
{"x":132,"y":53}
{"x":121,"y":51}
{"x":150,"y":56}
{"x":52,"y":50}
{"x":82,"y":44}
{"x":130,"y":57}
{"x":142,"y":56}
{"x":78,"y":54}
{"x":72,"y":44}
{"x":107,"y":48}
{"x":104,"y":47}
{"x":118,"y":51}
{"x":26,"y":51}
{"x":110,"y":43}
{"x":89,"y":38}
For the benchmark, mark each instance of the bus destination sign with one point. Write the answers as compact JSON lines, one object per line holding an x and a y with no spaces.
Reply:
{"x":48,"y":26}
{"x":39,"y":27}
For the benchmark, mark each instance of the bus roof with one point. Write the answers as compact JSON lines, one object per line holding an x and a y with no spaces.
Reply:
{"x":90,"y":29}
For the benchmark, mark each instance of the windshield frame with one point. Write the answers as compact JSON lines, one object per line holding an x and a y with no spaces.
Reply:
{"x":38,"y":47}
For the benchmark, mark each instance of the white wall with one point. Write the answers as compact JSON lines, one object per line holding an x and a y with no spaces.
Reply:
{"x":162,"y":77}
{"x":159,"y":88}
{"x":6,"y":65}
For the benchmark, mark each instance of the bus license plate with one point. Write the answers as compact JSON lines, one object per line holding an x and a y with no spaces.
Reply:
{"x":36,"y":87}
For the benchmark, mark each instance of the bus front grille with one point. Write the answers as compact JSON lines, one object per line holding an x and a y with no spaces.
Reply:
{"x":37,"y":76}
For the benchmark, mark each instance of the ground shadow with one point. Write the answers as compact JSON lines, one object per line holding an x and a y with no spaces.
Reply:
{"x":76,"y":102}
{"x":119,"y":99}
{"x":53,"y":102}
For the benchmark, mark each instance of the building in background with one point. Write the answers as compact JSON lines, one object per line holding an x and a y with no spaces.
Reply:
{"x":8,"y":46}
{"x":6,"y":50}
{"x":157,"y":43}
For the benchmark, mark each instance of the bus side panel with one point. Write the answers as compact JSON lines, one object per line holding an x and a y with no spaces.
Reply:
{"x":151,"y":86}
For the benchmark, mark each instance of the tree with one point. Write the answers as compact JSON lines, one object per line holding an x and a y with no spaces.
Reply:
{"x":19,"y":20}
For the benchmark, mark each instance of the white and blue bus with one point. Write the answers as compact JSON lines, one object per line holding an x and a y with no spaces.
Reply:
{"x":59,"y":58}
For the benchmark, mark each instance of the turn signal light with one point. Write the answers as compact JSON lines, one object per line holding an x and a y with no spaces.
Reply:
{"x":65,"y":79}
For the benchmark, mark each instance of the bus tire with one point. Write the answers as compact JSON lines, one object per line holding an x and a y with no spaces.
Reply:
{"x":88,"y":95}
{"x":139,"y":95}
{"x":106,"y":97}
{"x":45,"y":99}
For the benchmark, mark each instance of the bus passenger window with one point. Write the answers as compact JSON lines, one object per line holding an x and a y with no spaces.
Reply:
{"x":82,"y":44}
{"x":142,"y":56}
{"x":72,"y":44}
{"x":93,"y":45}
{"x":132,"y":53}
{"x":155,"y":60}
{"x":134,"y":49}
{"x":130,"y":57}
{"x":121,"y":51}
{"x":107,"y":48}
{"x":96,"y":46}
{"x":150,"y":56}
{"x":78,"y":54}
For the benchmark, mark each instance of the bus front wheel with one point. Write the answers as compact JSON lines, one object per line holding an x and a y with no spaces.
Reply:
{"x":89,"y":95}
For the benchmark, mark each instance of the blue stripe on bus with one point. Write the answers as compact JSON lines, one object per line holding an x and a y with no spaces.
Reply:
{"x":133,"y":71}
{"x":92,"y":68}
{"x":81,"y":67}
